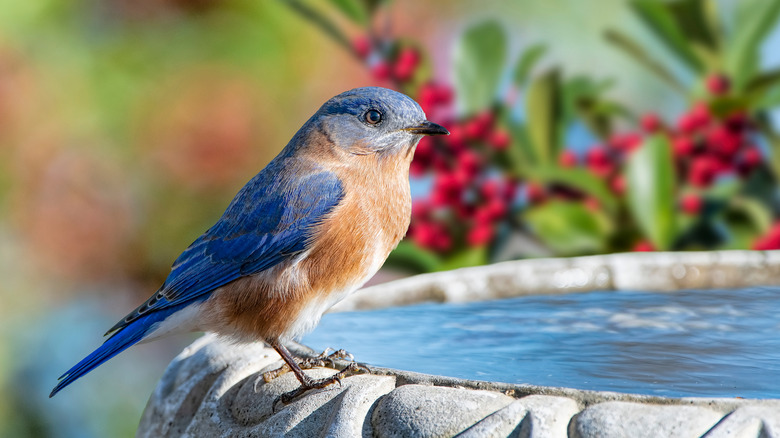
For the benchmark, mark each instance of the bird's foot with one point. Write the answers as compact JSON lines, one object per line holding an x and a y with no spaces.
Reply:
{"x":352,"y":368}
{"x":327,"y":359}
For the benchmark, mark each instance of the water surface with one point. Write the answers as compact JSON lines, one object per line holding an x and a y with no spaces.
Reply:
{"x":721,"y":343}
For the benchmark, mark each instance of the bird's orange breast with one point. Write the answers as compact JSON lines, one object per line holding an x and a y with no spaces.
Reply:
{"x":346,"y":249}
{"x":356,"y":238}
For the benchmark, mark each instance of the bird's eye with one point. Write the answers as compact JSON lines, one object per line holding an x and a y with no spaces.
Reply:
{"x":372,"y":117}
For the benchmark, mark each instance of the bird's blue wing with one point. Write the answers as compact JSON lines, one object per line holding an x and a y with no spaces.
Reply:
{"x":269,"y":221}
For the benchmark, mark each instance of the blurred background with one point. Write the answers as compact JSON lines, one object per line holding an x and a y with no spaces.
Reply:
{"x":577,"y":128}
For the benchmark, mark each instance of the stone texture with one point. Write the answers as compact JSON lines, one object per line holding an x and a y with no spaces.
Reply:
{"x":505,"y":422}
{"x":214,"y":388}
{"x":651,"y":271}
{"x":534,"y":416}
{"x":749,"y":422}
{"x":548,"y":416}
{"x":195,"y":381}
{"x":413,"y":411}
{"x":333,"y":411}
{"x":622,"y":419}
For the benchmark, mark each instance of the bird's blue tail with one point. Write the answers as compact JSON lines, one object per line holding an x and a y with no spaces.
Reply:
{"x":117,"y":343}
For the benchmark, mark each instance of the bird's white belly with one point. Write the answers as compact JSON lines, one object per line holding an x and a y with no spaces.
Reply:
{"x":310,"y":315}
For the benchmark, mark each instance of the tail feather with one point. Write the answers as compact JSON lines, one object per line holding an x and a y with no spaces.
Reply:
{"x":117,"y":343}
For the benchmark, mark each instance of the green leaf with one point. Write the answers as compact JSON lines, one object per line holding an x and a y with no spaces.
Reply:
{"x":769,"y":100}
{"x":520,"y":153}
{"x":659,"y":17}
{"x":576,"y":178}
{"x":544,"y":116}
{"x":474,"y":256}
{"x":526,"y":63}
{"x":756,"y":213}
{"x":569,"y":228}
{"x":319,"y":20}
{"x":755,"y":20}
{"x":636,"y":51}
{"x":722,"y":106}
{"x":759,"y":86}
{"x":693,"y":18}
{"x":582,"y":97}
{"x":745,"y":219}
{"x":355,"y":10}
{"x":478,"y":63}
{"x":411,"y":257}
{"x":651,"y":184}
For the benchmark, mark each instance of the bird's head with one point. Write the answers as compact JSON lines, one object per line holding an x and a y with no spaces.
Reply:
{"x":374,"y":120}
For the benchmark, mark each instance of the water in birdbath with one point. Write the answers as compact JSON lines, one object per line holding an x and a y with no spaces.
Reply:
{"x":713,"y":343}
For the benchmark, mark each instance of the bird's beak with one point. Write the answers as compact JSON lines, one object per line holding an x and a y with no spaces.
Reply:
{"x":427,"y":128}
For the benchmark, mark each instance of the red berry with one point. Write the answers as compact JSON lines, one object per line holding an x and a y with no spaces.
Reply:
{"x":362,"y":46}
{"x":691,"y":204}
{"x":769,"y":241}
{"x":650,"y":122}
{"x":470,"y":163}
{"x":737,"y":122}
{"x":447,"y":189}
{"x":683,"y":147}
{"x":618,"y":184}
{"x":427,"y":97}
{"x":698,"y":117}
{"x":643,"y":246}
{"x":535,"y":193}
{"x":431,"y":235}
{"x":702,"y":171}
{"x":381,"y":70}
{"x":599,"y":162}
{"x":499,"y":139}
{"x":631,"y":141}
{"x":421,"y":209}
{"x":701,"y":114}
{"x":686,"y":124}
{"x":406,"y":64}
{"x":752,"y":156}
{"x":457,"y":137}
{"x":480,"y":235}
{"x":597,"y":155}
{"x":723,"y":141}
{"x":417,"y":168}
{"x":489,"y":189}
{"x":478,"y":127}
{"x":444,"y":94}
{"x":496,"y":209}
{"x":718,"y":84}
{"x":568,"y":158}
{"x":592,"y":204}
{"x":510,"y":191}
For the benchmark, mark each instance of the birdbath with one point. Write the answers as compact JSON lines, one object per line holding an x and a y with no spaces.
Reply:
{"x":216,"y":388}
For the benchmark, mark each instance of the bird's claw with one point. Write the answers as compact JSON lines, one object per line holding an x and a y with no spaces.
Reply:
{"x":326,"y":359}
{"x":349,"y":370}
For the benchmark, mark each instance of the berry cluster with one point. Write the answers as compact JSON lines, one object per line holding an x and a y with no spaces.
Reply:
{"x":771,"y":240}
{"x":705,"y":148}
{"x":470,"y":199}
{"x":399,"y":64}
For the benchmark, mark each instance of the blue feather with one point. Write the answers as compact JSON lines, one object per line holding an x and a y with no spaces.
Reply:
{"x":270,"y":220}
{"x":114,"y":345}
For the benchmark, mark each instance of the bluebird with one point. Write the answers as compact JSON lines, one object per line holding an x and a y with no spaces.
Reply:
{"x":313,"y":226}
